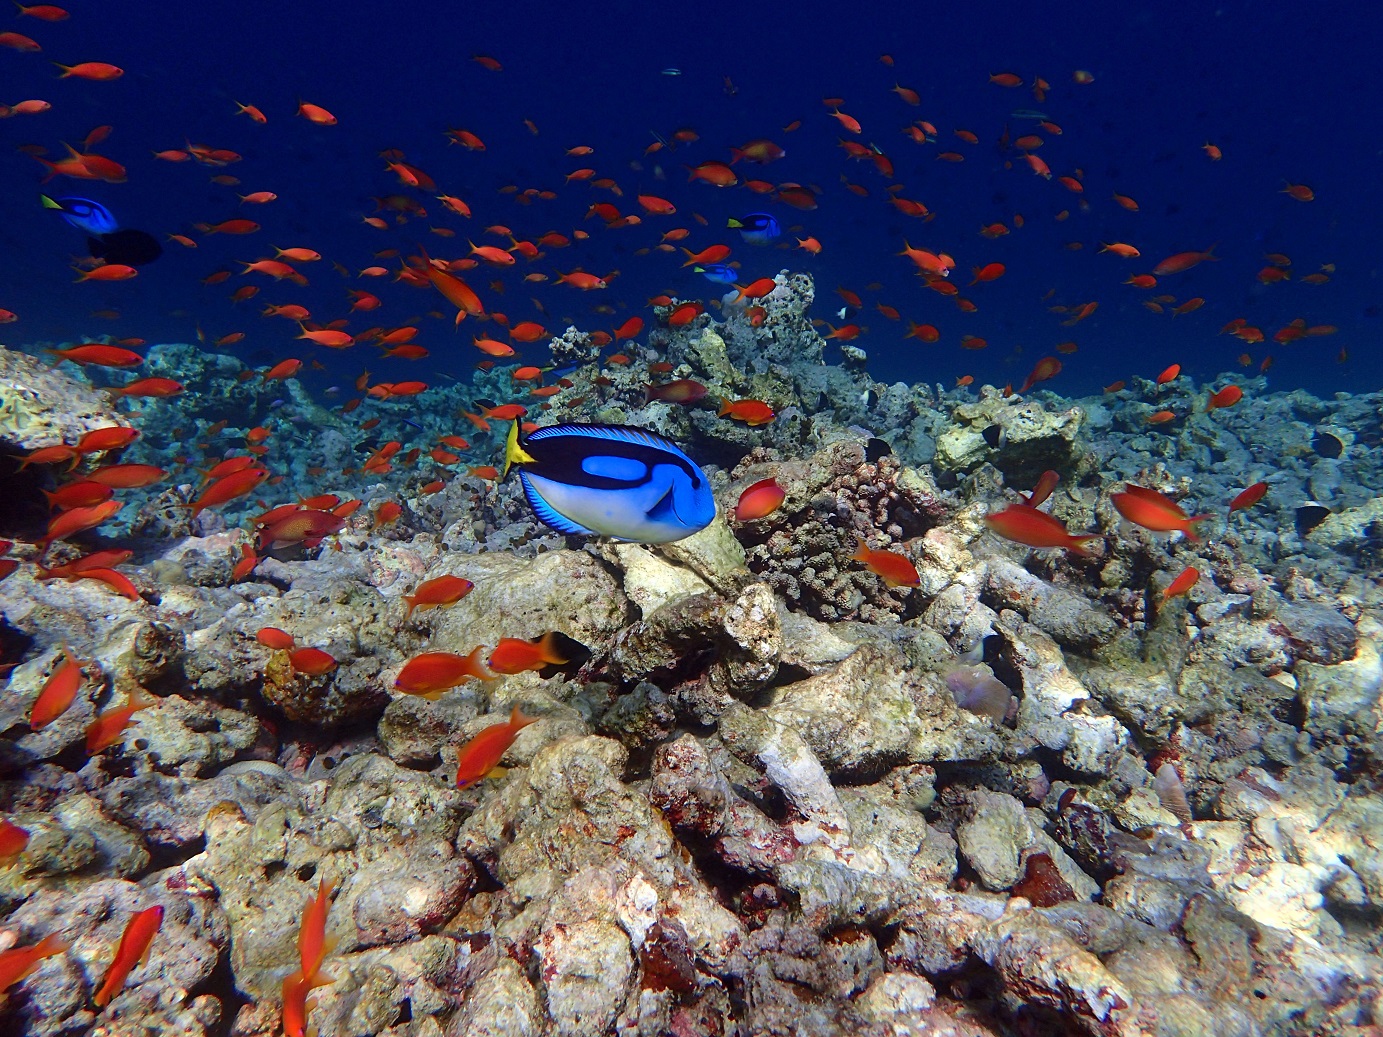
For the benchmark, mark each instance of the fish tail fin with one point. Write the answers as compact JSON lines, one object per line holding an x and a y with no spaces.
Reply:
{"x":861,"y":550}
{"x":732,"y":222}
{"x":1077,"y":545}
{"x":48,"y":203}
{"x":478,"y":667}
{"x":518,"y":719}
{"x":724,"y":406}
{"x":1191,"y":523}
{"x":548,"y":650}
{"x":514,"y":453}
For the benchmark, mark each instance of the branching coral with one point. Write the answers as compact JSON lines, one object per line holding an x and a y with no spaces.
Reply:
{"x":834,"y":500}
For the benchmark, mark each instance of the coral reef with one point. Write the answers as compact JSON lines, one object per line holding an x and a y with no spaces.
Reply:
{"x":764,"y":791}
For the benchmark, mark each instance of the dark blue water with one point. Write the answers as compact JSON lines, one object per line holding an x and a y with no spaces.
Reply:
{"x":1285,"y":91}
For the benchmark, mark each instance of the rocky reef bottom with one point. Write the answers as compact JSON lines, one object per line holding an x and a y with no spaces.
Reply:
{"x":1030,"y":792}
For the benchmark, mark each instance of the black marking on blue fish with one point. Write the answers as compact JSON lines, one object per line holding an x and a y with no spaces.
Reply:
{"x":559,"y":450}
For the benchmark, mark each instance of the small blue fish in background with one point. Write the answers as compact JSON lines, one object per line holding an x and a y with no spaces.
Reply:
{"x":106,"y":241}
{"x":83,"y":213}
{"x":758,"y":228}
{"x":616,"y":481}
{"x":720,"y":273}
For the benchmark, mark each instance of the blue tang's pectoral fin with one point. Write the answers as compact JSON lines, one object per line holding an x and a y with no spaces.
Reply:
{"x":547,"y":514}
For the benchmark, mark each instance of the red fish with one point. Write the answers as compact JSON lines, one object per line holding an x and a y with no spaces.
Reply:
{"x":313,"y":662}
{"x":1248,"y":497}
{"x":1047,"y":367}
{"x":96,"y":70}
{"x":1181,"y":261}
{"x":441,"y":590}
{"x":82,"y":494}
{"x":481,"y":755}
{"x":515,"y":655}
{"x":1151,"y":510}
{"x":431,"y":673}
{"x":711,"y":255}
{"x":295,"y":991}
{"x":228,"y":488}
{"x":717,"y":174}
{"x":18,"y":962}
{"x":316,"y":113}
{"x":59,"y":691}
{"x":307,"y":526}
{"x":116,"y":581}
{"x":1183,"y":583}
{"x":105,"y":730}
{"x":1046,"y":483}
{"x":313,"y":945}
{"x":683,"y":390}
{"x":751,"y":412}
{"x":134,"y":946}
{"x":1226,"y":397}
{"x":1033,"y":528}
{"x":896,"y":569}
{"x":760,"y":500}
{"x":629,"y":329}
{"x":112,"y":437}
{"x":99,"y":355}
{"x":156,"y":388}
{"x":77,"y":520}
{"x":273,"y":637}
{"x":756,"y":289}
{"x":13,"y":840}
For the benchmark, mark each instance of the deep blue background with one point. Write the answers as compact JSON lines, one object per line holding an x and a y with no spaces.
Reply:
{"x":1287,"y":90}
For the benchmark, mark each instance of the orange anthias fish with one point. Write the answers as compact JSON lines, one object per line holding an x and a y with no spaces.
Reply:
{"x":313,"y":944}
{"x":751,"y":412}
{"x":430,"y":674}
{"x":1046,"y":368}
{"x":1175,"y":264}
{"x":59,"y":691}
{"x":1182,"y":584}
{"x":1046,"y":483}
{"x":295,"y":991}
{"x":134,"y":945}
{"x":105,"y":730}
{"x":1032,"y":528}
{"x":13,"y":840}
{"x":18,"y":962}
{"x":1226,"y":397}
{"x":442,"y":590}
{"x":515,"y":655}
{"x":1151,"y":510}
{"x":1247,"y":498}
{"x":481,"y":755}
{"x":273,"y":637}
{"x":895,"y":569}
{"x":313,"y":662}
{"x":760,"y":500}
{"x":227,"y":489}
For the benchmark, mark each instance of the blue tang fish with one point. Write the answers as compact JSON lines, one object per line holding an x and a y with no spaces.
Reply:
{"x":106,"y":240}
{"x":720,"y":273}
{"x":83,"y":213}
{"x":616,"y":481}
{"x":758,"y":228}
